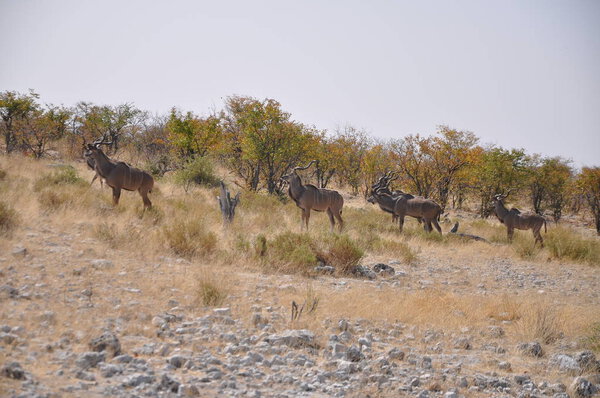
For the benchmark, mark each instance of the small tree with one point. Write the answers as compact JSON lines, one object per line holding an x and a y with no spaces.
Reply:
{"x":588,"y":183}
{"x":549,"y":183}
{"x":15,"y":107}
{"x":191,"y":135}
{"x":498,"y":170}
{"x":41,"y":127}
{"x":349,"y":147}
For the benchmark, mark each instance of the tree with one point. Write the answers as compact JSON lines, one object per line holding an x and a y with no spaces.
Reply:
{"x":191,"y":135}
{"x":376,"y":161}
{"x":41,"y":127}
{"x":415,"y":162}
{"x":92,"y":122}
{"x":549,"y":182}
{"x":451,"y":151}
{"x":588,"y":183}
{"x":14,"y":107}
{"x":261,"y":143}
{"x":349,"y":147}
{"x":497,"y":171}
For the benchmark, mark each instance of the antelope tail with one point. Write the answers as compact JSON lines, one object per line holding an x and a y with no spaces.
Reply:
{"x":545,"y":228}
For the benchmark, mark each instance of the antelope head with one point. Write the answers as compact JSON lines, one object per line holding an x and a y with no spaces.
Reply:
{"x":288,"y":178}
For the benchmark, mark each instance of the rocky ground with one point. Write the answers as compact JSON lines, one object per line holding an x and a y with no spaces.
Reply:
{"x":81,"y":319}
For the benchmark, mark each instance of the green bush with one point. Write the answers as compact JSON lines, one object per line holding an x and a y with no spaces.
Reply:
{"x":342,"y":253}
{"x":292,"y":252}
{"x":565,"y":243}
{"x":199,"y":171}
{"x":65,"y":175}
{"x":8,"y":218}
{"x":189,"y":238}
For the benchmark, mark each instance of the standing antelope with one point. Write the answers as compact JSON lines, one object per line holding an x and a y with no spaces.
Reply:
{"x":308,"y":197}
{"x":119,"y":175}
{"x":514,"y":219}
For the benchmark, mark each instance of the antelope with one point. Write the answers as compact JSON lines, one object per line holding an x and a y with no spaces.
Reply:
{"x":382,"y":186}
{"x":92,"y":165}
{"x":514,"y":219}
{"x":408,"y":205}
{"x":308,"y":197}
{"x":119,"y":175}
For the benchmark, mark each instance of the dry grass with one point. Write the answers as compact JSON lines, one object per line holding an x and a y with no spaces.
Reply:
{"x":541,"y":322}
{"x":266,"y":236}
{"x":211,"y":290}
{"x":189,"y":238}
{"x":564,"y":243}
{"x":8,"y":219}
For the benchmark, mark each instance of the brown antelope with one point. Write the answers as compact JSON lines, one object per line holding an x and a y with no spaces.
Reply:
{"x":405,"y":204}
{"x":382,"y":186}
{"x":92,"y":165}
{"x":119,"y":175}
{"x":514,"y":219}
{"x":308,"y":197}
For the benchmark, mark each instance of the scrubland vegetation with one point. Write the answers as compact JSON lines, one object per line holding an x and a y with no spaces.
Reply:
{"x":446,"y":282}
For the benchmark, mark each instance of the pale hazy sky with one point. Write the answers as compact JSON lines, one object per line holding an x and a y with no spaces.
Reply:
{"x":517,"y":73}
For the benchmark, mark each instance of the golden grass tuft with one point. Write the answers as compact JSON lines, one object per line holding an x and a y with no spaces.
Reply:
{"x":189,"y":238}
{"x":343,"y":253}
{"x":540,"y":322}
{"x":210,"y":289}
{"x":65,"y":175}
{"x":8,"y":219}
{"x":564,"y":243}
{"x":592,"y":337}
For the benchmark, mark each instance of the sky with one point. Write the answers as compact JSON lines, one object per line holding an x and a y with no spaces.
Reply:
{"x":519,"y":74}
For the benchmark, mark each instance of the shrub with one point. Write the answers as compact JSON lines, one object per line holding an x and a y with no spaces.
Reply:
{"x":189,"y":238}
{"x":260,"y":245}
{"x":397,"y":248}
{"x":53,"y":200}
{"x":198,"y":171}
{"x":8,"y":218}
{"x":566,"y":243}
{"x":343,"y":253}
{"x":592,"y":340}
{"x":540,"y":322}
{"x":65,"y":175}
{"x":210,"y":290}
{"x":292,"y":252}
{"x":525,"y":247}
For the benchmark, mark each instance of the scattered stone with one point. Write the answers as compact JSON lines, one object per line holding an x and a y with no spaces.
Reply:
{"x":533,"y":349}
{"x":19,"y":251}
{"x":167,"y":383}
{"x":587,"y":361}
{"x":102,"y":264}
{"x":566,"y":363}
{"x":384,"y":269}
{"x":222,"y":311}
{"x":325,"y":269}
{"x":8,"y":292}
{"x":496,"y":332}
{"x":188,"y":390}
{"x":138,"y":379}
{"x":504,"y":365}
{"x":293,"y":338}
{"x":396,"y":354}
{"x":13,"y":370}
{"x":462,"y":343}
{"x":89,"y":360}
{"x":107,"y":342}
{"x":582,"y":388}
{"x":363,"y":272}
{"x":353,"y":354}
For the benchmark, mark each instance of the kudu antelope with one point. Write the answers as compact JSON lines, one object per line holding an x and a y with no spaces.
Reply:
{"x":514,"y":219}
{"x":308,"y":197}
{"x":408,"y":205}
{"x":119,"y":175}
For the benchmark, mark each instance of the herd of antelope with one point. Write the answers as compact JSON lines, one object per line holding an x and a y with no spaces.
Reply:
{"x":120,"y":175}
